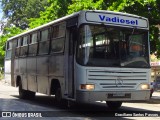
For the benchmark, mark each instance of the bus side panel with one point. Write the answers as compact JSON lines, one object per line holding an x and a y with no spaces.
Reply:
{"x":22,"y":71}
{"x":31,"y":74}
{"x":7,"y":71}
{"x":16,"y":69}
{"x":56,"y":65}
{"x":42,"y":74}
{"x":56,"y":70}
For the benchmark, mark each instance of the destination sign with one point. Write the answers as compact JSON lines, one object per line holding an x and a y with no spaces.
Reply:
{"x":116,"y":19}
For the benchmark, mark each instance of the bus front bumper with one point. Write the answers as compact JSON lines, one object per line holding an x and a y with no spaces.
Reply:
{"x":91,"y":96}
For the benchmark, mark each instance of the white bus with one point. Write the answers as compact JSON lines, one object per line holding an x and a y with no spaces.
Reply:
{"x":84,"y":57}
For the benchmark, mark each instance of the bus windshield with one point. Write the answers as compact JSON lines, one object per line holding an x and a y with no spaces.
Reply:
{"x":105,"y":46}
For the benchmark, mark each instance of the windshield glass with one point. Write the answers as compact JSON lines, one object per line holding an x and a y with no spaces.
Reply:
{"x":112,"y":46}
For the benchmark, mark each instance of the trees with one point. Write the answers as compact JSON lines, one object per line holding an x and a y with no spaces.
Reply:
{"x":19,"y":11}
{"x":56,"y":9}
{"x":78,"y":5}
{"x":9,"y":32}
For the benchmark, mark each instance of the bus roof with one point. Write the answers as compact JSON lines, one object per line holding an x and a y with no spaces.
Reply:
{"x":45,"y":25}
{"x":74,"y":15}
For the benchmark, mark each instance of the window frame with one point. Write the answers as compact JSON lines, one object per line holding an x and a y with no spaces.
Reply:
{"x":33,"y":44}
{"x":48,"y":37}
{"x":44,"y":41}
{"x":27,"y":40}
{"x":56,"y":38}
{"x":24,"y":46}
{"x":30,"y":39}
{"x":8,"y":49}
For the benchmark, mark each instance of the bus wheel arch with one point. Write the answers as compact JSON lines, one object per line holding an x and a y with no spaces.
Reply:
{"x":18,"y":80}
{"x":22,"y":92}
{"x":55,"y":84}
{"x":56,"y":90}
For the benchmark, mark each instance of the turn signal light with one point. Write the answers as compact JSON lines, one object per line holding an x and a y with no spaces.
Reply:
{"x":145,"y":86}
{"x":87,"y":86}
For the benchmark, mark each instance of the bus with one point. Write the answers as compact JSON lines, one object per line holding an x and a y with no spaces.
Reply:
{"x":88,"y":56}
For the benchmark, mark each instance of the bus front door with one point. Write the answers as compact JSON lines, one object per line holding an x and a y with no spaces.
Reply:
{"x":71,"y":48}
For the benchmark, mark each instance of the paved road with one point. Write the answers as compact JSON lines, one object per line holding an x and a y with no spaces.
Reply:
{"x":9,"y":101}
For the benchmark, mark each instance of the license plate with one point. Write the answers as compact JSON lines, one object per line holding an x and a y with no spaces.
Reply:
{"x":119,"y":95}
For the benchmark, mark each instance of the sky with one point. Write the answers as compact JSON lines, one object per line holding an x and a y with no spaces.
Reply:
{"x":0,"y":11}
{"x":1,"y":14}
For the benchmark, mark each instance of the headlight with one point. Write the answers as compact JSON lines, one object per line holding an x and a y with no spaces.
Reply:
{"x":87,"y":86}
{"x":145,"y":86}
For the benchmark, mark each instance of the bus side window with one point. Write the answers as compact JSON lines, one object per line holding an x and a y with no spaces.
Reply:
{"x":57,"y":41}
{"x":9,"y":45}
{"x":19,"y":43}
{"x":8,"y":49}
{"x":44,"y":42}
{"x":24,"y":47}
{"x":33,"y":45}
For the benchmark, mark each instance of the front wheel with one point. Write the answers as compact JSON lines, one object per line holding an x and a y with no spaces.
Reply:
{"x":114,"y":104}
{"x":58,"y":98}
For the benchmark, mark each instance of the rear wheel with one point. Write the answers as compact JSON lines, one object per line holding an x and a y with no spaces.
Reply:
{"x":114,"y":104}
{"x":25,"y":94}
{"x":58,"y":95}
{"x":22,"y":92}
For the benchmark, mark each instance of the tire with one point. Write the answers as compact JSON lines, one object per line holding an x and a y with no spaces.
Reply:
{"x":58,"y":95}
{"x":25,"y":94}
{"x":58,"y":98}
{"x":114,"y":104}
{"x":22,"y":92}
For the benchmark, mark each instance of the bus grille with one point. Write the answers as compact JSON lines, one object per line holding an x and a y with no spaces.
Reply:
{"x":116,"y":79}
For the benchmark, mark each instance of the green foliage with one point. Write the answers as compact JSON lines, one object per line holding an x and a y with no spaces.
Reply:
{"x":19,"y":11}
{"x":8,"y":32}
{"x":56,"y":9}
{"x":78,"y":5}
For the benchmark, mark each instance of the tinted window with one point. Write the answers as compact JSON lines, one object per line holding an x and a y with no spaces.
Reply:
{"x":32,"y":46}
{"x":8,"y":51}
{"x":34,"y":38}
{"x":57,"y":43}
{"x":59,"y":30}
{"x":19,"y":42}
{"x":25,"y":39}
{"x":9,"y":45}
{"x":44,"y":35}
